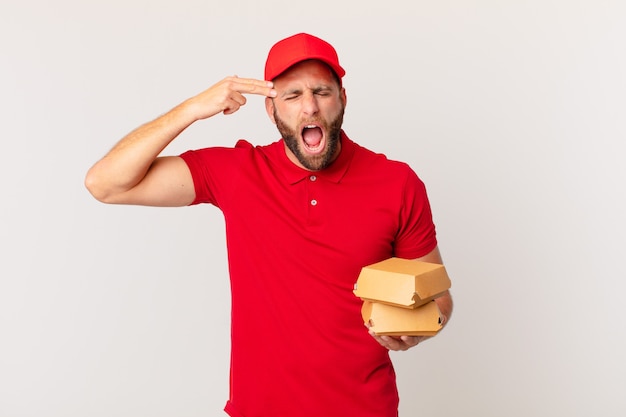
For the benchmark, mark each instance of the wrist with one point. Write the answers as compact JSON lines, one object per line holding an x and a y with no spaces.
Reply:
{"x":189,"y":111}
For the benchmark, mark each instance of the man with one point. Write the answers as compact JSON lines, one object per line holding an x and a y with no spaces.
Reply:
{"x":303,"y":216}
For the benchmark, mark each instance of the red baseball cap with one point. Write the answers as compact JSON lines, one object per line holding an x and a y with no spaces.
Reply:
{"x":298,"y":48}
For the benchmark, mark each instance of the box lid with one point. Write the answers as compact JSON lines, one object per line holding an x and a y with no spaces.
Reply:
{"x":402,"y":282}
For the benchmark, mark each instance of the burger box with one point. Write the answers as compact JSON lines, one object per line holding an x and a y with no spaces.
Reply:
{"x":385,"y":319}
{"x":402,"y":282}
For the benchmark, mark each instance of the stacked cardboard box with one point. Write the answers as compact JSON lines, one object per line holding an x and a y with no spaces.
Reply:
{"x":398,"y":296}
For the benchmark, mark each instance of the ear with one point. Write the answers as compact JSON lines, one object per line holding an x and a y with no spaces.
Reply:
{"x":344,"y":96}
{"x":269,"y":108}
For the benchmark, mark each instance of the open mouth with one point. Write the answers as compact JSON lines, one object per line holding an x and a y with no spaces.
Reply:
{"x":313,"y":138}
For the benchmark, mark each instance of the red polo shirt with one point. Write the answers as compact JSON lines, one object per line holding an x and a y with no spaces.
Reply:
{"x":297,"y":241}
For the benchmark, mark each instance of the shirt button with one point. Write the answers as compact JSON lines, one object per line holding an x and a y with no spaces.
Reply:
{"x":314,"y":202}
{"x":312,"y":177}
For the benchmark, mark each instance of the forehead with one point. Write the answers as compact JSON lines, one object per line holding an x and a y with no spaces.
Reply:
{"x":311,"y":72}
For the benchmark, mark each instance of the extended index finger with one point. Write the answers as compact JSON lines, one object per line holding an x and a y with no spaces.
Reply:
{"x":254,"y":86}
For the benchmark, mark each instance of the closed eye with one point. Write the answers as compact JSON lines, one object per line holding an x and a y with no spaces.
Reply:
{"x":291,"y":94}
{"x":322,"y":91}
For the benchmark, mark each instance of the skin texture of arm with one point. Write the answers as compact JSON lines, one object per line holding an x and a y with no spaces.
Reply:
{"x":133,"y":173}
{"x":444,"y":303}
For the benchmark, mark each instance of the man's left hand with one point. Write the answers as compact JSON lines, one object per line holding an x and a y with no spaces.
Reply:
{"x":398,"y":342}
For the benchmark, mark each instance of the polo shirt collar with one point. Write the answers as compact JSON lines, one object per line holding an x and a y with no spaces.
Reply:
{"x":334,"y":173}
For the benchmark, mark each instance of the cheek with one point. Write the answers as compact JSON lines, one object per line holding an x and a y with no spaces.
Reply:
{"x":332,"y":112}
{"x":286,"y":113}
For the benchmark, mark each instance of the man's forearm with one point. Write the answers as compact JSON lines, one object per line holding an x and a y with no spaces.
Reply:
{"x":445,"y":305}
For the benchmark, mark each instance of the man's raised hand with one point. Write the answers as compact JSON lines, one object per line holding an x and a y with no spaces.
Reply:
{"x":228,"y":95}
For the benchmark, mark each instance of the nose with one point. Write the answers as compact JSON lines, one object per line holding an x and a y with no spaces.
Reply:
{"x":310,"y":106}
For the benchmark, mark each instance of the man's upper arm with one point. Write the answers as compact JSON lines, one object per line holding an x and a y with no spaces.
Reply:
{"x":433,"y":256}
{"x":168,"y":183}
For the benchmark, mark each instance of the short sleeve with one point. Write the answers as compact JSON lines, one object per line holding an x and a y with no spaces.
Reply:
{"x":416,"y":235}
{"x":215,"y":171}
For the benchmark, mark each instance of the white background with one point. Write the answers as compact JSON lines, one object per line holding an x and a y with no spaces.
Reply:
{"x":512,"y":112}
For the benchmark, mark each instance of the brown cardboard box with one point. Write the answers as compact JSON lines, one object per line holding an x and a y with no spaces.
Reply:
{"x":402,"y":282}
{"x":389,"y":320}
